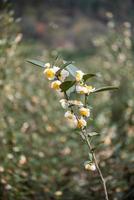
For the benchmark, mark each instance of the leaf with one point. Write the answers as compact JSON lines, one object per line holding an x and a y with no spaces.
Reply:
{"x":37,"y":63}
{"x":90,"y":157}
{"x":105,"y":89}
{"x":66,"y":64}
{"x":93,"y":134}
{"x":87,"y":76}
{"x":72,"y":69}
{"x":66,"y":85}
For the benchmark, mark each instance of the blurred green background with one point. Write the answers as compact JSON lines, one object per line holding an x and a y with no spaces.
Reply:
{"x":41,"y":158}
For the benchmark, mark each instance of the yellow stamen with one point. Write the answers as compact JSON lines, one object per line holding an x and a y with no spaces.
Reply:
{"x":49,"y":73}
{"x":56,"y":85}
{"x":84,"y":112}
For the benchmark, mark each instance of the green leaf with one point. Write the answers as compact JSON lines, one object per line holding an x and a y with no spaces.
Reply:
{"x":66,"y":85}
{"x":71,"y":91}
{"x":90,"y":157}
{"x":72,"y":69}
{"x":105,"y":89}
{"x":66,"y":64}
{"x":93,"y":134}
{"x":87,"y":76}
{"x":37,"y":63}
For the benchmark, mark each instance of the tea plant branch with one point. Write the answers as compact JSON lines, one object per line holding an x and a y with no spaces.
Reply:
{"x":97,"y":165}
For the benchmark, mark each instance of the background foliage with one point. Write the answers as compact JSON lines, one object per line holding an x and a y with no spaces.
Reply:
{"x":41,"y":157}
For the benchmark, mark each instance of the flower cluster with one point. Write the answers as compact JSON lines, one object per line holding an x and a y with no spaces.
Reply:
{"x":77,"y":112}
{"x":58,"y":76}
{"x":79,"y":119}
{"x":51,"y":73}
{"x":82,"y":88}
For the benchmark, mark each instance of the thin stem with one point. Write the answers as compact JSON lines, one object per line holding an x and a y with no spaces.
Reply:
{"x":97,"y":166}
{"x":65,"y":94}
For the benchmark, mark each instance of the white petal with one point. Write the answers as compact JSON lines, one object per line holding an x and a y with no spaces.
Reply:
{"x":55,"y":68}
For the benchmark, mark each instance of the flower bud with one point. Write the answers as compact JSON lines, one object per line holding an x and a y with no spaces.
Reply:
{"x":58,"y":193}
{"x":90,"y":166}
{"x":47,"y":65}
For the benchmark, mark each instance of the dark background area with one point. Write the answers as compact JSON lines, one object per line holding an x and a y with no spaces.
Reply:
{"x":94,"y":8}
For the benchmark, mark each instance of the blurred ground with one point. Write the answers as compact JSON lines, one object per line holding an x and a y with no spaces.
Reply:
{"x":42,"y":158}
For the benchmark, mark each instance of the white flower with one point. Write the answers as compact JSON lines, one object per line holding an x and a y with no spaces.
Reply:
{"x":69,"y":115}
{"x":84,"y":112}
{"x":58,"y":193}
{"x":72,"y":123}
{"x":10,"y":156}
{"x":79,"y":75}
{"x":71,"y":119}
{"x":64,"y":103}
{"x":55,"y":68}
{"x":90,"y":166}
{"x":81,"y":123}
{"x":84,"y":89}
{"x":49,"y":73}
{"x":63,"y":75}
{"x":81,"y":89}
{"x":1,"y":169}
{"x":8,"y":187}
{"x":22,"y":160}
{"x":56,"y":85}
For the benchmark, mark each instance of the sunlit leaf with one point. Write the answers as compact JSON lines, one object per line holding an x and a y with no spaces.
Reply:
{"x":36,"y":62}
{"x":72,"y":69}
{"x":66,"y":85}
{"x":105,"y":89}
{"x":87,"y":76}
